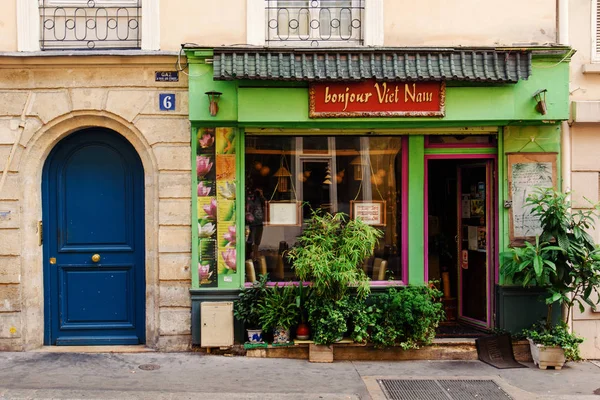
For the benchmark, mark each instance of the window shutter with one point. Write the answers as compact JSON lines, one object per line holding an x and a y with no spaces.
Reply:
{"x":597,"y":33}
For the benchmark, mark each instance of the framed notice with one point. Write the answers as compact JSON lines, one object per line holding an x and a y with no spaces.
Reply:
{"x":283,"y":213}
{"x":526,"y":172}
{"x":371,"y":212}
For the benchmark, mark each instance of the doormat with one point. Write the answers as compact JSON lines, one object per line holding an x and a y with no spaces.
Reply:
{"x":497,"y":351}
{"x":442,"y":389}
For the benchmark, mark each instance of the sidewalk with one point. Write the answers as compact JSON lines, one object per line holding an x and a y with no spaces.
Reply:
{"x":47,"y":375}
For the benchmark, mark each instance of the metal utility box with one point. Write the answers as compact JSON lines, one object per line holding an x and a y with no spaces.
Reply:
{"x":216,"y":324}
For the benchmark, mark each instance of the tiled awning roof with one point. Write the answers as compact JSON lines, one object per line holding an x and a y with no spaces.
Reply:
{"x":475,"y":65}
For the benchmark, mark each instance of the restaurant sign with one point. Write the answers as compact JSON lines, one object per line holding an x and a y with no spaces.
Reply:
{"x":372,"y":98}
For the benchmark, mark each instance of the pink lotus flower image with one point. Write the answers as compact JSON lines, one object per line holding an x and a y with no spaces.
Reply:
{"x":204,"y":272}
{"x":203,"y":190}
{"x":203,"y":166}
{"x":206,"y":141}
{"x":230,"y":235}
{"x":211,"y":210}
{"x":229,"y":258}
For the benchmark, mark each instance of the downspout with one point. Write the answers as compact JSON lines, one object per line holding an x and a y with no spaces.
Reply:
{"x":563,"y":38}
{"x":15,"y":145}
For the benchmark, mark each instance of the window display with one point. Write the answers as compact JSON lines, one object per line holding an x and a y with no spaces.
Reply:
{"x":290,"y":177}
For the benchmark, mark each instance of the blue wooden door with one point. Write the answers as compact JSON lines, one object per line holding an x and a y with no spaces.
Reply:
{"x":93,"y":232}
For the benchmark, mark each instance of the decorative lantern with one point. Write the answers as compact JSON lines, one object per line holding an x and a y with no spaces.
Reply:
{"x":213,"y":102}
{"x":283,"y":176}
{"x":358,"y":165}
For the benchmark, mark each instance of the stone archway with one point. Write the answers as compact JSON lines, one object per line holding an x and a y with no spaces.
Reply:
{"x":36,"y":151}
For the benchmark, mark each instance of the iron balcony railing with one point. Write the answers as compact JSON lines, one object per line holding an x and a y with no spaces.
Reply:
{"x":92,"y":24}
{"x":314,"y":22}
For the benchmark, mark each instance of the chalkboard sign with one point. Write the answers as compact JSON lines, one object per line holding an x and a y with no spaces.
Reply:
{"x":526,"y":172}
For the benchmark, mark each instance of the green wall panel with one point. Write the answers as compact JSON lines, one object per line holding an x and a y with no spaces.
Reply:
{"x":416,"y":209}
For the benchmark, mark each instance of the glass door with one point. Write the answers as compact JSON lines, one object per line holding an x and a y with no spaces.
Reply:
{"x":475,"y":242}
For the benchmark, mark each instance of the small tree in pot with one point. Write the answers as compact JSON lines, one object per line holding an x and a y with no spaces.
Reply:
{"x":330,"y":252}
{"x":564,"y":261}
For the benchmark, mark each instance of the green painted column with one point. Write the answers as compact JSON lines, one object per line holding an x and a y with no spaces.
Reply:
{"x":416,"y":209}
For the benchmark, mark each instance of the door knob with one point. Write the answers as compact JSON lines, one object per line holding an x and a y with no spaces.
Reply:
{"x":96,"y":258}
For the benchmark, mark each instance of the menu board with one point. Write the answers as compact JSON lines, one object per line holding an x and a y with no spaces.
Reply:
{"x":526,"y":172}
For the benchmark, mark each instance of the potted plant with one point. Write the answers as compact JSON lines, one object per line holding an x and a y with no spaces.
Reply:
{"x":565,"y":262}
{"x":247,"y":308}
{"x":303,"y":330}
{"x":279,"y":311}
{"x":329,"y":254}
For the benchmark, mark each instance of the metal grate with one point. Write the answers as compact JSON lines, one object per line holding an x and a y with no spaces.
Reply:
{"x":432,"y":389}
{"x":312,"y":22}
{"x":91,"y":24}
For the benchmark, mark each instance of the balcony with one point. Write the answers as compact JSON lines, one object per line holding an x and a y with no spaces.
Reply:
{"x":89,"y":25}
{"x":314,"y":22}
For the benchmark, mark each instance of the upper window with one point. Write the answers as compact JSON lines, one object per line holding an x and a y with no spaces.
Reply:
{"x":90,"y":24}
{"x":596,"y":30}
{"x":313,"y":22}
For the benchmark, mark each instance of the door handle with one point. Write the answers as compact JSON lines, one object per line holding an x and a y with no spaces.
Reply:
{"x":96,"y":258}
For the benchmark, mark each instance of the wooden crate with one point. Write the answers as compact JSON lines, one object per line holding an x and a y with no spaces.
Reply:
{"x":320,"y":353}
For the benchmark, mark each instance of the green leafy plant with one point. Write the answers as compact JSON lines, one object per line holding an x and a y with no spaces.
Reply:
{"x":558,"y":335}
{"x":362,"y":319}
{"x":564,"y":259}
{"x":330,"y":251}
{"x":407,"y":317}
{"x":328,"y":319}
{"x":279,"y":308}
{"x":246,"y":307}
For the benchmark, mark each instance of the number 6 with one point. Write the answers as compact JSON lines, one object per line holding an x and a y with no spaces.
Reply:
{"x":167,"y":102}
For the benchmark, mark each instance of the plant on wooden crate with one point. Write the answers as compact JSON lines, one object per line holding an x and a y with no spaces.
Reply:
{"x":563,"y":260}
{"x":330,"y":252}
{"x":407,"y":317}
{"x":246,"y":307}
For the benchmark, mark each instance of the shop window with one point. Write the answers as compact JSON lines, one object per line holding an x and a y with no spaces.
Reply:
{"x":288,"y":177}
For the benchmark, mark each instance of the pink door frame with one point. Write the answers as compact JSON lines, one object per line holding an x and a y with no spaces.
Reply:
{"x":492,"y":205}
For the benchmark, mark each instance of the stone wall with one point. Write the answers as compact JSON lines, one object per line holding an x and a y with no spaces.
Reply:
{"x":585,"y":178}
{"x":44,"y":99}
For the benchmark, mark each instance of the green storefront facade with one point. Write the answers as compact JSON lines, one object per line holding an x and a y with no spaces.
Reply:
{"x":438,"y":185}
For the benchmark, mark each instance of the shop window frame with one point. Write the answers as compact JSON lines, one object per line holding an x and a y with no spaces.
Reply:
{"x":404,"y":242}
{"x":429,"y":145}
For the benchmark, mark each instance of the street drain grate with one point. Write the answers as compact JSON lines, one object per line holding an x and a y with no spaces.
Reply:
{"x":447,"y":389}
{"x":149,"y":367}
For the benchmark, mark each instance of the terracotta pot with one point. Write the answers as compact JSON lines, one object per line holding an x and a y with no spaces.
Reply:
{"x":302,"y":332}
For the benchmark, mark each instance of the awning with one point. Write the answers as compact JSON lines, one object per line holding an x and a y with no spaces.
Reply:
{"x":475,"y":65}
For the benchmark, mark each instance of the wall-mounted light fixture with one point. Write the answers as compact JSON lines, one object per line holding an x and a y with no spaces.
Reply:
{"x":213,"y":102}
{"x":540,"y":98}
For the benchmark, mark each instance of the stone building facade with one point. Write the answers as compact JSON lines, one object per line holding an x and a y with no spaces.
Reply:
{"x":43,"y":100}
